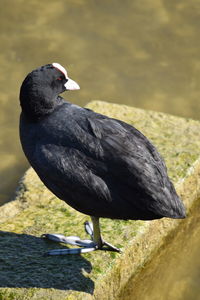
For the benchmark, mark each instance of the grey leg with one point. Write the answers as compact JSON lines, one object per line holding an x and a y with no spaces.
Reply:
{"x":93,"y":229}
{"x":97,"y":232}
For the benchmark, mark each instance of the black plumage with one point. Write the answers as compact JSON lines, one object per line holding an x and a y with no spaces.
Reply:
{"x":100,"y":166}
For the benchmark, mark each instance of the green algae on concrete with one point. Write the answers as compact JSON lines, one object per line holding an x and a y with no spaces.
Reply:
{"x":26,"y":274}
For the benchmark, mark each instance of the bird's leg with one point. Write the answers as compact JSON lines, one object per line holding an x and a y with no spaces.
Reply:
{"x":93,"y":229}
{"x":96,"y":242}
{"x":97,"y":233}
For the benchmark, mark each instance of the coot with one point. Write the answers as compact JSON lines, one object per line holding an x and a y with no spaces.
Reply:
{"x":100,"y":166}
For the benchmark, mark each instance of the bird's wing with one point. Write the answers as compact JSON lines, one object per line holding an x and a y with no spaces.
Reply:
{"x":134,"y":161}
{"x":66,"y":171}
{"x":127,"y":149}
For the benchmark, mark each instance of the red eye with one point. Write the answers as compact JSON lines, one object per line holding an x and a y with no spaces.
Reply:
{"x":59,"y":78}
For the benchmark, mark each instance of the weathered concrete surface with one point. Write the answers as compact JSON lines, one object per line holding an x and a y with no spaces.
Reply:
{"x":26,"y":274}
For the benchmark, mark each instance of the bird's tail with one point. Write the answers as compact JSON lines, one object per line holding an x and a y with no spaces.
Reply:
{"x":177,"y":209}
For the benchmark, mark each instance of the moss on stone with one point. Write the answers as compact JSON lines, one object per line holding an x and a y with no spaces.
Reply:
{"x":26,"y":274}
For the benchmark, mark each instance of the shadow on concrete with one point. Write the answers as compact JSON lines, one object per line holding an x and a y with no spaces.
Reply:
{"x":23,"y":265}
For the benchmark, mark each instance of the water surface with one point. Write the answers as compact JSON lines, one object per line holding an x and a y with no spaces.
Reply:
{"x":174,"y":272}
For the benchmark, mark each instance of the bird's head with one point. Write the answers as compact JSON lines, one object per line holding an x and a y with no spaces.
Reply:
{"x":41,"y":88}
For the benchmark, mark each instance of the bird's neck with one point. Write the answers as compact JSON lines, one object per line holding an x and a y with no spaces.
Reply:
{"x":36,"y":106}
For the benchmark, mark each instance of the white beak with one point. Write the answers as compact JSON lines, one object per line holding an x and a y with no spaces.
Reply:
{"x":71,"y":85}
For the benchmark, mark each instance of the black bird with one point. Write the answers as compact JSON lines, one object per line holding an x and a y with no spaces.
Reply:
{"x":100,"y":166}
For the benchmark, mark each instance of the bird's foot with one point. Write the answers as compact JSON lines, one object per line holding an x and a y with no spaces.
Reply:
{"x":85,"y":245}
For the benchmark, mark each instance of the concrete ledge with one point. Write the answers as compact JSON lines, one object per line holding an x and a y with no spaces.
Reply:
{"x":26,"y":274}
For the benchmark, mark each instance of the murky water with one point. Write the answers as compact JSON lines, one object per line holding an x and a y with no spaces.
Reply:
{"x":174,"y":273}
{"x":140,"y":53}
